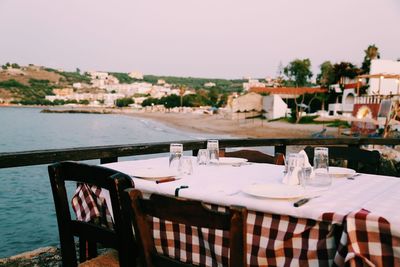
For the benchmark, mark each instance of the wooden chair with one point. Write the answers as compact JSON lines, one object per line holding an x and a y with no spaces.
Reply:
{"x":256,"y":156}
{"x":358,"y":159}
{"x":119,"y":238}
{"x":187,"y":212}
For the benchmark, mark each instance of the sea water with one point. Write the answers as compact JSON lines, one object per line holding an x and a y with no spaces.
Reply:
{"x":27,"y":215}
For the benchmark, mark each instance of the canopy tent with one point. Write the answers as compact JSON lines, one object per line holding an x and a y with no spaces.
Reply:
{"x":379,"y":76}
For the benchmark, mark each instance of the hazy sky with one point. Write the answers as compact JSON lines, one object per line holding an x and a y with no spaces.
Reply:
{"x":203,"y":38}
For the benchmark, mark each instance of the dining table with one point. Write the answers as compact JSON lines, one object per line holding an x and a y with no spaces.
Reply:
{"x":353,"y":222}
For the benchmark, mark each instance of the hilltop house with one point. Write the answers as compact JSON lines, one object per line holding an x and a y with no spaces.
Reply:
{"x":136,"y":75}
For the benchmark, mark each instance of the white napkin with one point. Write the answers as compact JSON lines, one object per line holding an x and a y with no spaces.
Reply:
{"x":292,"y":178}
{"x":307,"y":162}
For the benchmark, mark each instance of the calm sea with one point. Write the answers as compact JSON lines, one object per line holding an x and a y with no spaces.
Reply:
{"x":27,"y":216}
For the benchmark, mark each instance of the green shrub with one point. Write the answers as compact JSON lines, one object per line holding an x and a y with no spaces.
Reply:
{"x":124,"y":102}
{"x":123,"y":77}
{"x":12,"y":84}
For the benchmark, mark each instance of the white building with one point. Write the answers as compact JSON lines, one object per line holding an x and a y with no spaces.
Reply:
{"x":136,"y":75}
{"x":252,"y":83}
{"x":274,"y":107}
{"x":101,"y":79}
{"x":98,"y":75}
{"x":209,"y":85}
{"x":247,"y":102}
{"x":346,"y":106}
{"x":382,"y":85}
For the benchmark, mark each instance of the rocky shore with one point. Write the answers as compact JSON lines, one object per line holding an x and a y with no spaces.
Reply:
{"x":46,"y":257}
{"x":84,"y":111}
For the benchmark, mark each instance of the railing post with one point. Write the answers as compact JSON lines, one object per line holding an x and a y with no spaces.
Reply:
{"x":108,"y":160}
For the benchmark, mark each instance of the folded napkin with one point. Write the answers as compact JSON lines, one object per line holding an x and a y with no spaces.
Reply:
{"x":306,"y":161}
{"x":292,"y":178}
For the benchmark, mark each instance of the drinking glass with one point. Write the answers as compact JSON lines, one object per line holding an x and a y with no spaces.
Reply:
{"x":175,"y":155}
{"x":186,"y":167}
{"x":305,"y":175}
{"x":321,"y":167}
{"x":290,"y":163}
{"x":213,"y":151}
{"x":202,"y":157}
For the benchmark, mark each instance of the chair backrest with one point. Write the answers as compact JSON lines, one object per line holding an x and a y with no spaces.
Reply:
{"x":360,"y":160}
{"x":120,"y":237}
{"x":256,"y":156}
{"x":186,"y":212}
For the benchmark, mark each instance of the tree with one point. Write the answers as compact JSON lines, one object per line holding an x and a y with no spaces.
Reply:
{"x":182,"y":90}
{"x":213,"y":96}
{"x":345,"y":70}
{"x":15,"y":66}
{"x":124,"y":102}
{"x":370,"y":53}
{"x":299,"y":70}
{"x":327,"y":75}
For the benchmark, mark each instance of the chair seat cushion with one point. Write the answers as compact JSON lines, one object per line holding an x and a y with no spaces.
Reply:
{"x":108,"y":259}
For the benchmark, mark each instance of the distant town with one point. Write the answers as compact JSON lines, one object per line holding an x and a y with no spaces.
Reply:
{"x":341,"y":89}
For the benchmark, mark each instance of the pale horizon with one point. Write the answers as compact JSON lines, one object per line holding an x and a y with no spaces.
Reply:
{"x":210,"y":39}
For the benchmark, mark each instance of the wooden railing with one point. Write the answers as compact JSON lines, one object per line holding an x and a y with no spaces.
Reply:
{"x":108,"y":154}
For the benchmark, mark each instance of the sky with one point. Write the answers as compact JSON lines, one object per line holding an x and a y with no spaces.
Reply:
{"x":203,"y":38}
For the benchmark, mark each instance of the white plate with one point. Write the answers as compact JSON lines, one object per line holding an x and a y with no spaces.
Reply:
{"x":281,"y":191}
{"x":231,"y":160}
{"x":338,"y":172}
{"x":152,"y":173}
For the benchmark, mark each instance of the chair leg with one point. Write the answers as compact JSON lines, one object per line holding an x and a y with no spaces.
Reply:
{"x":82,"y":250}
{"x":92,"y":249}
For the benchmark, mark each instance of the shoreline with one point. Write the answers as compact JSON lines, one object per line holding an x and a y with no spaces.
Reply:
{"x":205,"y":123}
{"x":217,"y":124}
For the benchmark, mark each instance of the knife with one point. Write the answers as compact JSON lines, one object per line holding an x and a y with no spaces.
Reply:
{"x":303,"y":201}
{"x":165,"y":180}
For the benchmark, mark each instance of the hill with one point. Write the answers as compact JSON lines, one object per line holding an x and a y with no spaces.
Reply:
{"x":29,"y":85}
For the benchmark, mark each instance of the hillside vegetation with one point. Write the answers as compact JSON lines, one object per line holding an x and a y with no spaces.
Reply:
{"x":29,"y":85}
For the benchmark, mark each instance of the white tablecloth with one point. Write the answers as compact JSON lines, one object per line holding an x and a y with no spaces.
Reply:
{"x":222,"y":185}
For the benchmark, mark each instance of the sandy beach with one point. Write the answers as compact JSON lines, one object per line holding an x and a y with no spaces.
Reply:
{"x":213,"y":124}
{"x":217,"y":124}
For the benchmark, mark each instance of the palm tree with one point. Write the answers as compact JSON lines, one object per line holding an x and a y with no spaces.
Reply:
{"x":182,"y":90}
{"x":370,"y":53}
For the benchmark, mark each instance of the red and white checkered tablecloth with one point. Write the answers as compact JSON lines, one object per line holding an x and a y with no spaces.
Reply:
{"x":273,"y":240}
{"x":367,"y":240}
{"x":358,"y":239}
{"x":89,"y":206}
